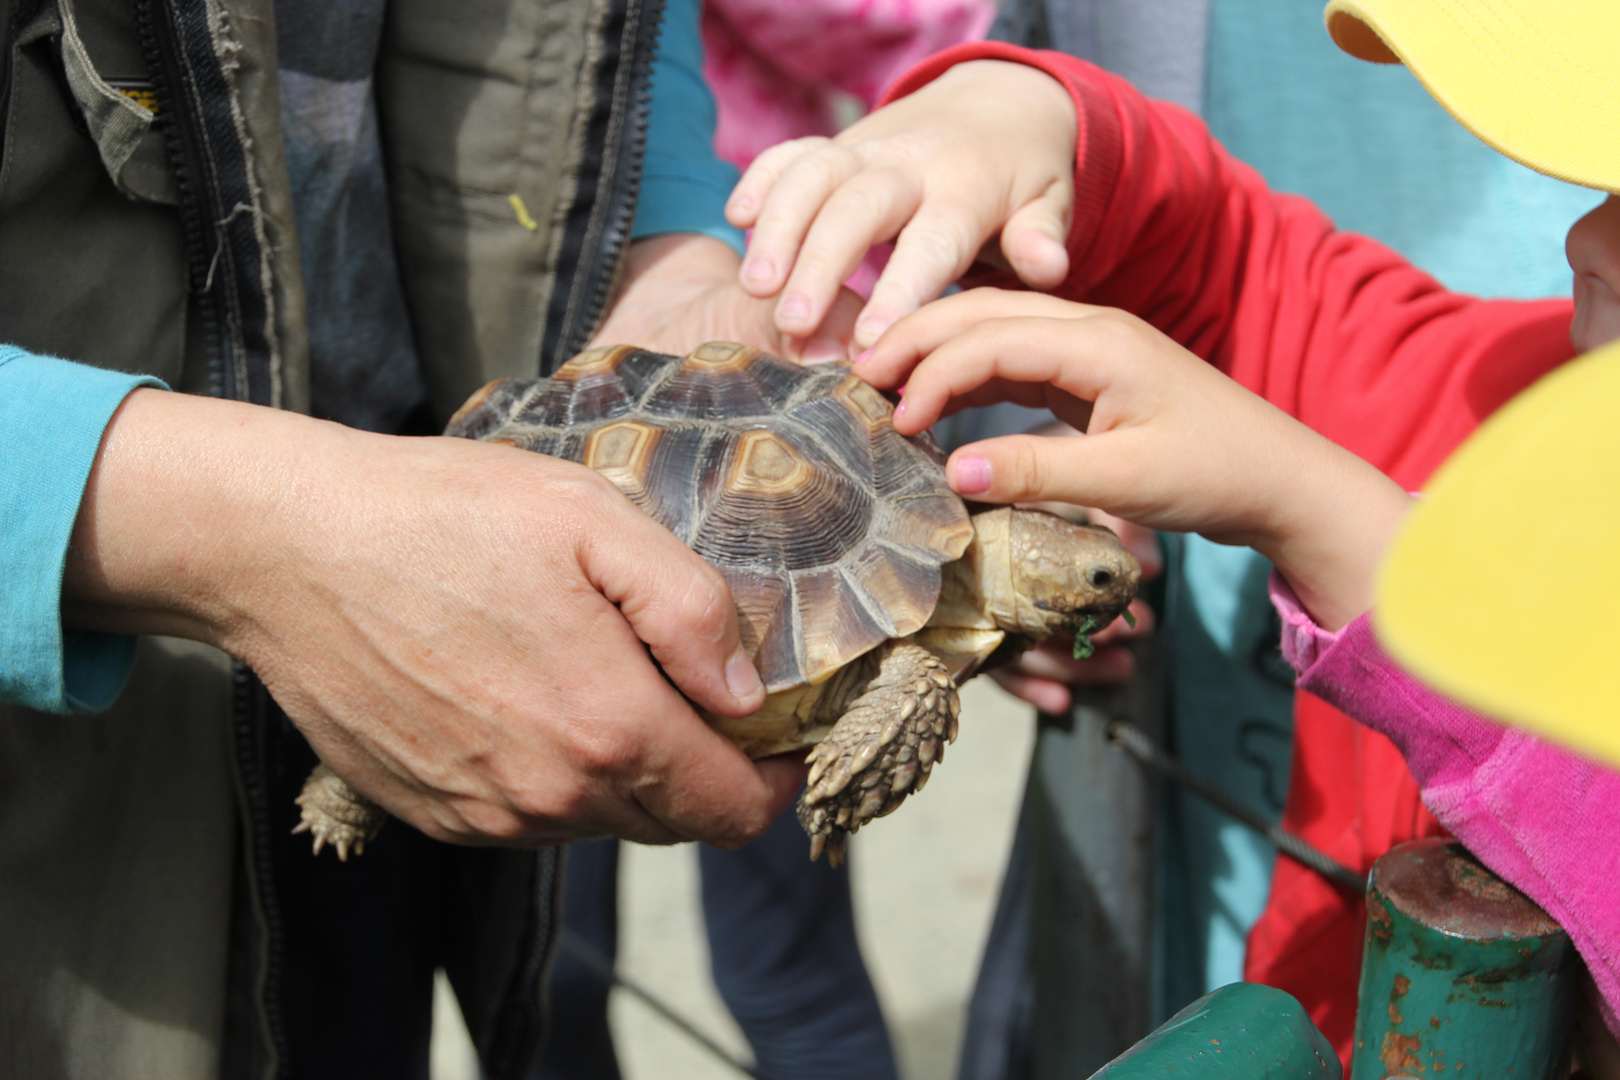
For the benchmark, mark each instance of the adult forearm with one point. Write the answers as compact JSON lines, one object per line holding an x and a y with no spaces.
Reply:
{"x":188,"y":501}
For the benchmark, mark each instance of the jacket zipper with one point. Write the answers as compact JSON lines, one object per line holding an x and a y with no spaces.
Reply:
{"x":599,"y":223}
{"x":210,"y":168}
{"x":217,"y":198}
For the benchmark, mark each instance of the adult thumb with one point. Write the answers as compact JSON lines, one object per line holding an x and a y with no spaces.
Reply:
{"x":679,"y":606}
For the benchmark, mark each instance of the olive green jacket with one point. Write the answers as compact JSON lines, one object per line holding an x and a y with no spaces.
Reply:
{"x":153,"y":917}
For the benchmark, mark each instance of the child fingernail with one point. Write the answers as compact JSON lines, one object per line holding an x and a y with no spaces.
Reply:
{"x":972,"y":475}
{"x":758,"y":270}
{"x":900,"y":409}
{"x":863,"y":356}
{"x":793,"y":307}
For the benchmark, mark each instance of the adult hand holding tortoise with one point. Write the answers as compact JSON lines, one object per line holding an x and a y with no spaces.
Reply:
{"x":865,"y":590}
{"x":458,"y":627}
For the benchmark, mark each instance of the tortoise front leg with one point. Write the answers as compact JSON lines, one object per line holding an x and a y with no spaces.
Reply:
{"x":881,"y":749}
{"x":334,"y":813}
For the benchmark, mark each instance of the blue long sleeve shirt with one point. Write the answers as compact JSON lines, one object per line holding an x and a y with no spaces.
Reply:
{"x":53,"y":412}
{"x":52,"y":415}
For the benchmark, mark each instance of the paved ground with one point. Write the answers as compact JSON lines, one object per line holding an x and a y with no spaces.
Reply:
{"x":925,"y":887}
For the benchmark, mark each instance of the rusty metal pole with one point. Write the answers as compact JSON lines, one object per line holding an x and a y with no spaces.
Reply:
{"x":1463,"y":976}
{"x":1243,"y":1030}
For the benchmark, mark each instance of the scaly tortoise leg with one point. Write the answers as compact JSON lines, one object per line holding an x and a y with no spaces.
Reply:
{"x":334,"y":813}
{"x":881,"y":749}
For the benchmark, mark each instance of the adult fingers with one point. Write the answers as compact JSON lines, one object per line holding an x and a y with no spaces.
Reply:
{"x":831,"y":340}
{"x":1054,"y":660}
{"x":1047,"y":695}
{"x":784,"y":775}
{"x":792,"y":204}
{"x":781,"y":779}
{"x":675,"y":602}
{"x":1045,"y":677}
{"x":703,"y":788}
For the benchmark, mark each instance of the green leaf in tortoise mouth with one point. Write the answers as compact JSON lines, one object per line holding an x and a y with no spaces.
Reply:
{"x":1083,"y":648}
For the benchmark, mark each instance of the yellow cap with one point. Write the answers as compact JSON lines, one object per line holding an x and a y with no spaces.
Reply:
{"x":1503,"y":588}
{"x":1538,"y":80}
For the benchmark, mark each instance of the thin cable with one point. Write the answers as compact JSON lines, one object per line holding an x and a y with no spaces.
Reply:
{"x":600,"y":966}
{"x":1135,"y":742}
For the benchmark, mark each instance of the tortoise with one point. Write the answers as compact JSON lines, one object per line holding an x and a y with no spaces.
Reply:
{"x":865,"y":591}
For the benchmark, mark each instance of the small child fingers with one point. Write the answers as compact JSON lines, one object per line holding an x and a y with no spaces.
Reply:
{"x":867,"y":209}
{"x":934,"y":249}
{"x":1028,"y":468}
{"x":746,"y":199}
{"x":787,"y":210}
{"x":1033,"y":239}
{"x":937,"y":324}
{"x":1059,"y":362}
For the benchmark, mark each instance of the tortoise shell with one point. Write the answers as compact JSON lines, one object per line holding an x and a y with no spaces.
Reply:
{"x":829,"y":525}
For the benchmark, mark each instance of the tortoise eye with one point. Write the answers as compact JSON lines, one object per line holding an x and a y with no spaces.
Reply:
{"x":1099,"y":577}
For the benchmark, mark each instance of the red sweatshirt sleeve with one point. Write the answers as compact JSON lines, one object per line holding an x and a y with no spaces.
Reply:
{"x":1330,"y":326}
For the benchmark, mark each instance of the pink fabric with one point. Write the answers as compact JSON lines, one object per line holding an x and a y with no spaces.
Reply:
{"x":1543,"y":818}
{"x":777,"y":67}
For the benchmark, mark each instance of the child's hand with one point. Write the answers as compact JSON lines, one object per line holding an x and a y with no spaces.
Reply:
{"x":1170,"y":442}
{"x":987,"y":147}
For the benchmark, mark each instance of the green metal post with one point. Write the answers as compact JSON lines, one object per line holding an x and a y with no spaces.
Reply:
{"x":1244,"y":1030}
{"x":1463,"y":976}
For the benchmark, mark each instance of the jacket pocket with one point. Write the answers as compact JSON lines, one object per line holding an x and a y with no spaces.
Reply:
{"x":90,"y":269}
{"x":117,"y":113}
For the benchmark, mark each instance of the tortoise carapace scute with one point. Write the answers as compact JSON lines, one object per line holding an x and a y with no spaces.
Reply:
{"x":829,"y":526}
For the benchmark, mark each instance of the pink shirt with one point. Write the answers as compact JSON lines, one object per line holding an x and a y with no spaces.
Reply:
{"x":778,"y":68}
{"x":1543,"y":818}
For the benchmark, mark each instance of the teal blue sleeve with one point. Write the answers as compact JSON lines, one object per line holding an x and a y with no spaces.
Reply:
{"x":684,"y":183}
{"x":1371,"y":147}
{"x":52,"y":415}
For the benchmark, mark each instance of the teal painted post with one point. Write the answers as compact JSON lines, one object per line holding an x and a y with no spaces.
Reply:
{"x":1463,"y":976}
{"x":1244,"y":1030}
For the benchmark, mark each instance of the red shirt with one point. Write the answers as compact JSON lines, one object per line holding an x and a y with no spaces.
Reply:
{"x":1345,"y":335}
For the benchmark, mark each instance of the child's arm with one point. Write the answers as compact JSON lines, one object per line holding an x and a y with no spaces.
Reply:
{"x":1333,"y":328}
{"x":1542,"y":817}
{"x":1170,"y":443}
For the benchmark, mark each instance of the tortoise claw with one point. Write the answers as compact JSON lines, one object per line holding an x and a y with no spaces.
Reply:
{"x":334,"y":813}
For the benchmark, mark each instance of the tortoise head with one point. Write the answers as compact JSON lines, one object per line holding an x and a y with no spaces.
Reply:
{"x":1044,"y":575}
